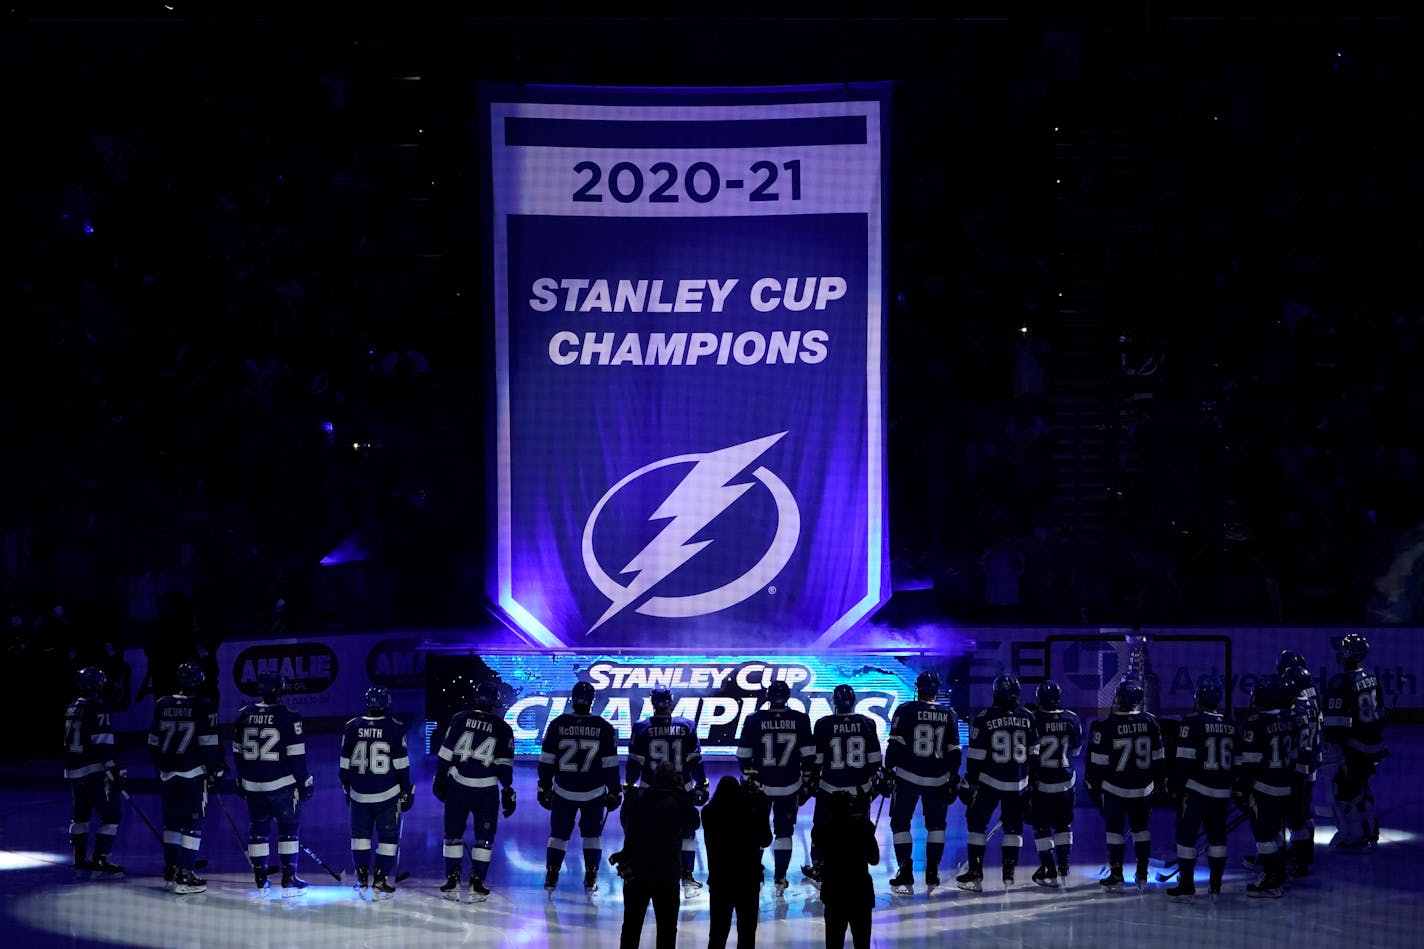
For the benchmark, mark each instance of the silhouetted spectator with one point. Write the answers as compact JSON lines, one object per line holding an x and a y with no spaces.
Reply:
{"x":736,"y":825}
{"x":650,"y":862}
{"x":848,"y":850}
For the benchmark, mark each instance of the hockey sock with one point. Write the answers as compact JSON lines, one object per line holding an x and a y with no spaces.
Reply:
{"x":385,"y":858}
{"x":1142,"y":850}
{"x":480,"y":855}
{"x":689,"y":855}
{"x":976,"y":855}
{"x":80,"y":845}
{"x":1186,"y":870}
{"x":1045,"y":853}
{"x":554,"y":854}
{"x":934,"y":849}
{"x":781,"y":856}
{"x":1062,"y":851}
{"x":904,"y":853}
{"x":104,"y":840}
{"x":1115,"y":852}
{"x":454,"y":851}
{"x":1216,"y":864}
{"x":592,"y":856}
{"x":172,"y":850}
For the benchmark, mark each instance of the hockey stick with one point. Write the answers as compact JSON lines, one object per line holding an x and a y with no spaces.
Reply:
{"x":200,"y":864}
{"x":335,"y":874}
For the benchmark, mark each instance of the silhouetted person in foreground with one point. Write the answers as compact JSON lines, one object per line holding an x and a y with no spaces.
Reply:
{"x":650,"y":862}
{"x":848,"y":850}
{"x":736,"y":825}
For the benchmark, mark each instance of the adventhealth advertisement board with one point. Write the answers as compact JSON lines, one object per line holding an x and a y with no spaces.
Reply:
{"x":686,"y":298}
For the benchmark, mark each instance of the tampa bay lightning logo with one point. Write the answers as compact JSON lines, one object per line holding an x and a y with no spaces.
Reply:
{"x":702,"y":494}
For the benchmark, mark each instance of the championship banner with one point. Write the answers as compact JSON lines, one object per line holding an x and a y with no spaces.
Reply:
{"x":688,"y":441}
{"x":717,"y":692}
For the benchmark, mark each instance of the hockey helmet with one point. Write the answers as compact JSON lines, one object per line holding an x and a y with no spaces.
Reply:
{"x":1209,"y":693}
{"x":486,"y":695}
{"x":1129,"y":695}
{"x":1297,"y":682}
{"x":927,"y":685}
{"x":90,"y":680}
{"x":190,"y":677}
{"x":378,"y":700}
{"x":778,"y":693}
{"x":1007,"y":691}
{"x":269,"y":684}
{"x":662,"y":700}
{"x":1289,"y":659}
{"x":1049,"y":695}
{"x":1350,"y":649}
{"x":843,"y":699}
{"x":582,"y":695}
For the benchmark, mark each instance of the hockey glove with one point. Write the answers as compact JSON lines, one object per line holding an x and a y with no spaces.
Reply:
{"x":545,"y":797}
{"x":752,"y":785}
{"x":307,"y":790}
{"x":700,"y":794}
{"x":439,"y":786}
{"x":630,"y":792}
{"x":407,"y":799}
{"x":887,"y":782}
{"x":117,"y":780}
{"x":213,"y":777}
{"x":611,"y":800}
{"x":507,"y":801}
{"x":966,"y":794}
{"x":346,"y":793}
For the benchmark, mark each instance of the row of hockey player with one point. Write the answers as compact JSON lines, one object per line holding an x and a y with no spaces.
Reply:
{"x":1018,"y":763}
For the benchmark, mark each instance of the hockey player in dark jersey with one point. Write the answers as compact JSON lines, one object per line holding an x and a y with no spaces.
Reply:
{"x":1264,"y":765}
{"x":271,"y":758}
{"x":922,"y":757}
{"x":665,"y":737}
{"x":776,"y":753}
{"x":1300,"y":817}
{"x":578,"y":780}
{"x":1060,"y":738}
{"x":375,"y":777}
{"x":1002,"y":755}
{"x":95,"y":781}
{"x":847,"y":759}
{"x":476,"y":759}
{"x":1126,"y":763}
{"x":1354,"y":730}
{"x":183,"y":742}
{"x":1202,"y":779}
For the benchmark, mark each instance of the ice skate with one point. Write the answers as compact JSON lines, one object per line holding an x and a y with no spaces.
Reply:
{"x":1113,"y":881}
{"x":590,"y":881}
{"x":551,"y":880}
{"x":971,"y":879}
{"x":186,"y":881}
{"x":103,"y":865}
{"x":1008,"y":875}
{"x":382,"y":889}
{"x":1044,"y":876}
{"x":1268,"y":886}
{"x":780,"y":884}
{"x":363,"y":883}
{"x":292,"y":885}
{"x":1139,"y":876}
{"x":903,"y":882}
{"x":259,"y":879}
{"x":812,"y":873}
{"x":691,"y":886}
{"x":1063,"y":875}
{"x":478,"y":891}
{"x":1184,"y":892}
{"x":170,"y":874}
{"x":450,"y":889}
{"x":931,"y":879}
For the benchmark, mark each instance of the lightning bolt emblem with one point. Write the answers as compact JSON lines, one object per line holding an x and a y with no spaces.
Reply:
{"x":702,"y":494}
